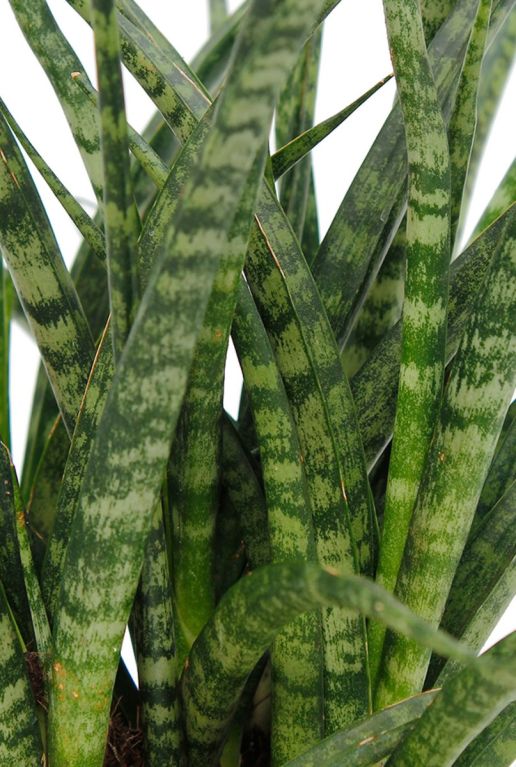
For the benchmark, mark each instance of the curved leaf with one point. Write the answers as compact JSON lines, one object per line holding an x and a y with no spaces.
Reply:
{"x":367,"y":741}
{"x":264,"y":602}
{"x":466,"y":704}
{"x":122,"y":472}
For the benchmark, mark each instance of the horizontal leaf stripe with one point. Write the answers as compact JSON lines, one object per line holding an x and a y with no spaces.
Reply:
{"x":88,"y":229}
{"x":297,"y":652}
{"x":332,"y":453}
{"x":374,"y":385}
{"x":476,"y":398}
{"x":495,"y":746}
{"x":161,"y":344}
{"x":464,"y":118}
{"x":19,"y":737}
{"x":223,"y":655}
{"x":121,"y":223}
{"x":58,"y":59}
{"x":466,"y":704}
{"x":42,"y":281}
{"x":370,"y":739}
{"x":426,"y":286}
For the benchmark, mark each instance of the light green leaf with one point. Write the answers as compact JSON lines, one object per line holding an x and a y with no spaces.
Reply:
{"x":156,"y":360}
{"x":59,"y":61}
{"x":120,"y":215}
{"x":466,"y":704}
{"x":19,"y":733}
{"x":476,"y":399}
{"x":245,"y":623}
{"x":42,"y":281}
{"x":296,"y":655}
{"x":423,"y":343}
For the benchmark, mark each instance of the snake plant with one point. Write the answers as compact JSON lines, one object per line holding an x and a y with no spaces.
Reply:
{"x":297,"y":591}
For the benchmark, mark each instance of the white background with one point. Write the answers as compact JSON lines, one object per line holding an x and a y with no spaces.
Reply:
{"x":355,"y":56}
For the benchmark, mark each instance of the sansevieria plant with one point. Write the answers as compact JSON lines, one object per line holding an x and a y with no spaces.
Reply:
{"x":309,"y":584}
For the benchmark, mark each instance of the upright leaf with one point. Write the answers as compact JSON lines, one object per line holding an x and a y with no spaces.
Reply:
{"x":332,"y":452}
{"x":426,"y":285}
{"x":218,"y":14}
{"x":42,"y":281}
{"x":476,"y":399}
{"x":125,"y":469}
{"x":464,"y":118}
{"x":5,"y":321}
{"x":58,"y":59}
{"x":120,"y":215}
{"x":224,"y":654}
{"x":296,"y":655}
{"x":19,"y":732}
{"x":294,"y":115}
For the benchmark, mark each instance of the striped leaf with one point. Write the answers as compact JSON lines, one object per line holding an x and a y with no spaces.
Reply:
{"x":58,"y":59}
{"x":88,"y":229}
{"x":374,"y":386}
{"x":156,"y":361}
{"x":501,"y":471}
{"x":434,"y":13}
{"x":464,"y":118}
{"x":496,"y":745}
{"x":485,"y":619}
{"x":502,"y":199}
{"x":211,"y":62}
{"x":92,"y":405}
{"x":30,"y":584}
{"x":358,"y":238}
{"x":42,"y":281}
{"x":225,"y":652}
{"x":426,"y":287}
{"x":370,"y":740}
{"x":294,"y":115}
{"x":466,"y":704}
{"x":5,"y":320}
{"x":120,"y":214}
{"x":245,"y":492}
{"x":155,"y":653}
{"x":178,"y":97}
{"x":333,"y":459}
{"x":296,"y":655}
{"x":298,"y":147}
{"x":19,"y":736}
{"x":381,"y":309}
{"x":476,"y":399}
{"x":11,"y":567}
{"x":42,"y":503}
{"x":494,"y":75}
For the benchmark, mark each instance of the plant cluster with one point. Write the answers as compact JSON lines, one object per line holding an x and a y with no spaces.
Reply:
{"x":311,"y":582}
